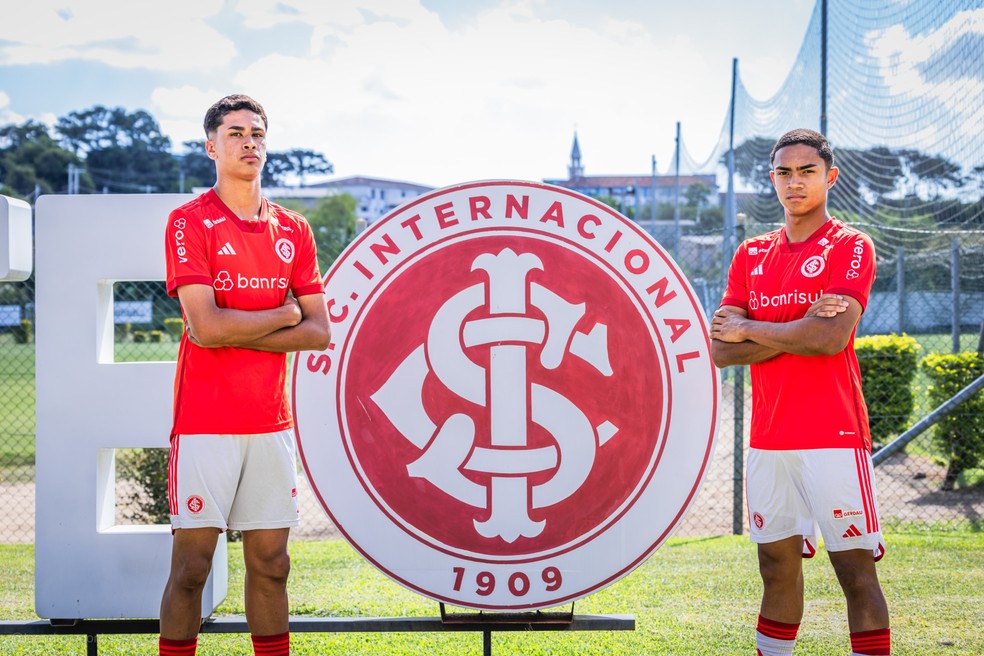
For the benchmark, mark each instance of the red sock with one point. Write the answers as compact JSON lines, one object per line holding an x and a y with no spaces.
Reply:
{"x":168,"y":647}
{"x":872,"y":643}
{"x":774,"y":638}
{"x":272,"y":645}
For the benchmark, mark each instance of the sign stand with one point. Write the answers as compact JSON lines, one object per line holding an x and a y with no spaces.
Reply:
{"x":530,"y":620}
{"x":457,"y":622}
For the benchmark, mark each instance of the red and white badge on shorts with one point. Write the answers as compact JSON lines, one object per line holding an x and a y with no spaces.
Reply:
{"x":518,"y":404}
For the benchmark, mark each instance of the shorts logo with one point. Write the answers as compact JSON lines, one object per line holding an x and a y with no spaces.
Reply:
{"x":758,"y":519}
{"x":195,"y":504}
{"x":285,"y":249}
{"x":840,"y":514}
{"x":813,"y":267}
{"x":481,"y":440}
{"x":852,"y":532}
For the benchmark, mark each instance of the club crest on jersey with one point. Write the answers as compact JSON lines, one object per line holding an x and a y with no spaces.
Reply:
{"x":519,"y":386}
{"x":813,"y":266}
{"x":285,"y":250}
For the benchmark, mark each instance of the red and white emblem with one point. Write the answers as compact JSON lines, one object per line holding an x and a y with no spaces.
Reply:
{"x":195,"y":504}
{"x":518,"y":404}
{"x":285,"y":249}
{"x":813,"y":267}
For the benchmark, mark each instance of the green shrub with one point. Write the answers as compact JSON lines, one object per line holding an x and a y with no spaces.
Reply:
{"x":147,"y":503}
{"x":174,"y":327}
{"x":139,"y":336}
{"x":960,"y":435}
{"x":155,"y":336}
{"x":24,"y":333}
{"x":888,"y":365}
{"x":147,"y":468}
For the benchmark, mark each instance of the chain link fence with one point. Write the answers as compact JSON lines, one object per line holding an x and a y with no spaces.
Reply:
{"x":931,"y":292}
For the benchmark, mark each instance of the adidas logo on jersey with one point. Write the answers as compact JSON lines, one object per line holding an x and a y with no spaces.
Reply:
{"x":227,"y":249}
{"x":757,"y":271}
{"x":852,"y":532}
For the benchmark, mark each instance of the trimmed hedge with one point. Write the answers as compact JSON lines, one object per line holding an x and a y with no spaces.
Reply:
{"x":24,"y":334}
{"x":888,"y":366}
{"x":960,"y":435}
{"x":174,"y":327}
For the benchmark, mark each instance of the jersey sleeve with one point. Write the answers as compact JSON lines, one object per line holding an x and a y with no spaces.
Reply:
{"x":184,"y":252}
{"x":736,"y":293}
{"x":852,"y":267}
{"x":306,"y":276}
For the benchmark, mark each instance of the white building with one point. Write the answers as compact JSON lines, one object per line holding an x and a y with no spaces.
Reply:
{"x":375,"y":197}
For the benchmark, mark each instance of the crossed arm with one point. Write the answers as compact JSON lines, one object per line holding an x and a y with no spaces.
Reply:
{"x":825,"y":330}
{"x":298,"y":325}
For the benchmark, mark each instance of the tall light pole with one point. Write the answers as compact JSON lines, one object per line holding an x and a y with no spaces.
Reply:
{"x":676,"y":199}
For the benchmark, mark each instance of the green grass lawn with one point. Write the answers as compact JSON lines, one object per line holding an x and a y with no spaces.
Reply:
{"x":694,"y":596}
{"x":17,"y":394}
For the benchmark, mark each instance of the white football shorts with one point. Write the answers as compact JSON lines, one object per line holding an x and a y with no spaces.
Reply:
{"x":798,"y":491}
{"x":233,"y":482}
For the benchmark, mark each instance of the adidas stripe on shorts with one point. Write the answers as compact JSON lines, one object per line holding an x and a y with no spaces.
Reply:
{"x":798,"y":491}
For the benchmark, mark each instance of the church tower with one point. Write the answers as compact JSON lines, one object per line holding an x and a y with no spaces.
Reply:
{"x":575,"y":170}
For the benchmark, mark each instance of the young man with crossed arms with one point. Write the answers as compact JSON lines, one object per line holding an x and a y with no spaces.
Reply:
{"x":246,"y":274}
{"x":790,"y":310}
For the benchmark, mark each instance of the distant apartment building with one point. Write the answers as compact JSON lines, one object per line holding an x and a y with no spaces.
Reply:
{"x":374,"y":197}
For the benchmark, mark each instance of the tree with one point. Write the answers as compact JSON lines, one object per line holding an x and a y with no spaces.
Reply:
{"x":276,"y":170}
{"x":934,"y":172}
{"x":124,"y":151}
{"x":295,"y":164}
{"x":752,"y":163}
{"x":865,"y":177}
{"x":197,"y":167}
{"x":308,"y":162}
{"x":332,"y":220}
{"x":30,"y":159}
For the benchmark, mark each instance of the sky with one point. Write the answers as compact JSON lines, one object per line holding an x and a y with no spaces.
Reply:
{"x":435,"y":92}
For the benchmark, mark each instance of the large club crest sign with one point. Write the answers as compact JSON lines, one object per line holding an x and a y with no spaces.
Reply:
{"x":518,"y":405}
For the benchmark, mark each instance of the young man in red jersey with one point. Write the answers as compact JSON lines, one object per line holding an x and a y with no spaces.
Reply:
{"x":790,"y":310}
{"x":246,"y":274}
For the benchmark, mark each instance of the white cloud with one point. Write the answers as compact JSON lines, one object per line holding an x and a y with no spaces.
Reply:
{"x":390,"y":83}
{"x":386,"y":87}
{"x":168,"y":37}
{"x":7,"y":115}
{"x":180,"y":111}
{"x":904,"y":59}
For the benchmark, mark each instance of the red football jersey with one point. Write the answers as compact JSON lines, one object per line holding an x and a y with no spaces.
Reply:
{"x":801,"y":402}
{"x":251,"y":267}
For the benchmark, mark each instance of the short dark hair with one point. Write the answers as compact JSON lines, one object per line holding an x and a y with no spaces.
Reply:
{"x":807,"y":138}
{"x":229,"y":104}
